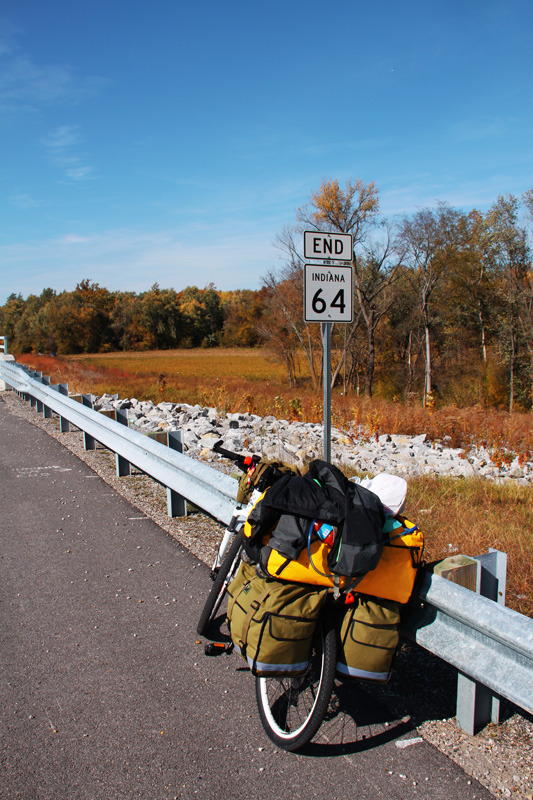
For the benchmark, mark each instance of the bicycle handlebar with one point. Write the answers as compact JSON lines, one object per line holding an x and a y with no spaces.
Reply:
{"x":243,"y":462}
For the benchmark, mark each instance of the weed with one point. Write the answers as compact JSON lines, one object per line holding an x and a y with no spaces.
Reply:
{"x":295,"y":406}
{"x":279,"y":406}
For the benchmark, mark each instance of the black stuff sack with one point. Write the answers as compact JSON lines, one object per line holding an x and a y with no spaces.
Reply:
{"x":323,"y":493}
{"x":272,"y":623}
{"x":359,"y":540}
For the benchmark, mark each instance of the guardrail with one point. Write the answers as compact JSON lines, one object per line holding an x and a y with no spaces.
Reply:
{"x":198,"y":483}
{"x":490,"y":645}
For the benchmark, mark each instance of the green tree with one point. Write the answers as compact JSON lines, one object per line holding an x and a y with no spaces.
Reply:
{"x":126,"y":322}
{"x":30,"y":331}
{"x":162,"y":317}
{"x":94,"y":304}
{"x":242,"y":311}
{"x":203,"y":316}
{"x":10,"y":314}
{"x":427,"y":239}
{"x":511,"y":260}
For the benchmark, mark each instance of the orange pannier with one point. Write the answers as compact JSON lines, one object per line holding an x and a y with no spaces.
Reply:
{"x":392,"y":579}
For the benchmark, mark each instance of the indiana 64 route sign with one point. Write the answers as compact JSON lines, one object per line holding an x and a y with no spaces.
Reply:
{"x":328,"y":293}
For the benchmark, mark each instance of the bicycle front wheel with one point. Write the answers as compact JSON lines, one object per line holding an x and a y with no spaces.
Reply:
{"x":225,"y":575}
{"x":292,"y":709}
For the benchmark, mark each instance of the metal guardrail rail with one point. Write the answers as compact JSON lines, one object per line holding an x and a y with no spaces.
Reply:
{"x":489,"y":644}
{"x":202,"y":485}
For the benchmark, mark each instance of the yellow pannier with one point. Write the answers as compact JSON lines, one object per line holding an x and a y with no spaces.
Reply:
{"x":392,"y":579}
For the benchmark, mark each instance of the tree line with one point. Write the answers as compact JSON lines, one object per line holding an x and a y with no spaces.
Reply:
{"x":92,"y":319}
{"x":443,"y":305}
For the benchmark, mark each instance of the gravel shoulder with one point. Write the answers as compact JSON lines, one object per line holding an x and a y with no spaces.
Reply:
{"x":499,"y":757}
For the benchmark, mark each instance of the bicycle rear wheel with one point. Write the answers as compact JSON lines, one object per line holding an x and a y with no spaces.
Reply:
{"x":292,"y":709}
{"x":224,"y":576}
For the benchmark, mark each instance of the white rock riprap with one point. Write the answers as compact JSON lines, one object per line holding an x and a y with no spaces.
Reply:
{"x":299,"y":442}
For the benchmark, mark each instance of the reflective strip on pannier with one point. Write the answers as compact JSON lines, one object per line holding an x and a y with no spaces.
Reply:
{"x":272,"y":623}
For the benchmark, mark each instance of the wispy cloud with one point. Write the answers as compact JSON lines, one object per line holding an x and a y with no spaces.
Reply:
{"x":409,"y":195}
{"x":26,"y":85}
{"x":478,"y":128}
{"x":23,"y":200}
{"x":62,"y":137}
{"x":60,"y":145}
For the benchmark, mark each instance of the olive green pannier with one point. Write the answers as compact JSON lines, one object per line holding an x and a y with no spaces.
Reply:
{"x":272,"y":623}
{"x":368,"y":633}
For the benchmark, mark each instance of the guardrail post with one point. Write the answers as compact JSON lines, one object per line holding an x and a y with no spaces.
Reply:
{"x":176,"y":504}
{"x":89,"y":443}
{"x":38,"y":405}
{"x":47,"y":412}
{"x":476,"y":704}
{"x":123,"y":467}
{"x":62,"y":388}
{"x":41,"y":408}
{"x":493,"y":578}
{"x":31,"y":374}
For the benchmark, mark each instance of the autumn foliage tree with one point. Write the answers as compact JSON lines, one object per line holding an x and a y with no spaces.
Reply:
{"x":350,"y":209}
{"x":443,"y":299}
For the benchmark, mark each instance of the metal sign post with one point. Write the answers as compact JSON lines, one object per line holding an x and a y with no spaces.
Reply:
{"x":326,"y":343}
{"x":328,"y":295}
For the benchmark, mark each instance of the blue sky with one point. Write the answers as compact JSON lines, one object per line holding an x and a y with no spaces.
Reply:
{"x":167,"y":141}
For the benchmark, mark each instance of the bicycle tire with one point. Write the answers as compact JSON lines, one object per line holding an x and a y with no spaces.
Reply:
{"x":224,"y":576}
{"x":292,"y":709}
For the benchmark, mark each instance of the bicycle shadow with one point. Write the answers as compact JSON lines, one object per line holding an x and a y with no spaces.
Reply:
{"x":363,"y":716}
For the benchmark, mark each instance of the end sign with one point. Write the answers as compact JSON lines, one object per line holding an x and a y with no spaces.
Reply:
{"x":328,"y":246}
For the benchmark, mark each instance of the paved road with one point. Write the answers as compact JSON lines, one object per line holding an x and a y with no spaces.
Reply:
{"x":106,"y":692}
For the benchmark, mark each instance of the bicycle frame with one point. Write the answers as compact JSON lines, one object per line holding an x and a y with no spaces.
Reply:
{"x":234,"y":527}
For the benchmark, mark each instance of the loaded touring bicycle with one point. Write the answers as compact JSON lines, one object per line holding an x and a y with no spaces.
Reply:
{"x":314,"y":568}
